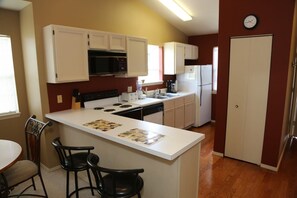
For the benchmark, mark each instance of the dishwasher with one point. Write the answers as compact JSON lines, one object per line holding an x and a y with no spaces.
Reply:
{"x":153,"y":113}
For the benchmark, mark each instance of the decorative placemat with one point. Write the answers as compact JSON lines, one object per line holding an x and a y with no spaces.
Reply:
{"x":102,"y":125}
{"x":143,"y":136}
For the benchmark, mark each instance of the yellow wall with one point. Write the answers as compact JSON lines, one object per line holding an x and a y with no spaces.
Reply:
{"x":13,"y":128}
{"x":128,"y":17}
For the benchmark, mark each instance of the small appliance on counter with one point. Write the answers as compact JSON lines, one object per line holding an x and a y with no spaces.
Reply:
{"x":129,"y":97}
{"x":171,"y":86}
{"x":75,"y":99}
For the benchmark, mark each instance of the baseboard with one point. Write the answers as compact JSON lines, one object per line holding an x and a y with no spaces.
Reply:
{"x":50,"y":169}
{"x":273,"y":168}
{"x":218,"y":154}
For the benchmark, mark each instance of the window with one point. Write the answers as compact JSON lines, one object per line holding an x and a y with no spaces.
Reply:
{"x":8,"y":95}
{"x":215,"y":68}
{"x":154,"y":67}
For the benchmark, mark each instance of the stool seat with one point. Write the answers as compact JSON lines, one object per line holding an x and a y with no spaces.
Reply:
{"x":116,"y":183}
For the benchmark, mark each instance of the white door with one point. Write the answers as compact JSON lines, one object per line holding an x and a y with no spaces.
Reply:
{"x":247,"y":99}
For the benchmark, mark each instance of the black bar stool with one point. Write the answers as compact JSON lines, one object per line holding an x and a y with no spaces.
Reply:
{"x":73,"y":158}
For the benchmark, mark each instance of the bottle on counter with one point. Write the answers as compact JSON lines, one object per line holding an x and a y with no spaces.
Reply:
{"x":139,"y":88}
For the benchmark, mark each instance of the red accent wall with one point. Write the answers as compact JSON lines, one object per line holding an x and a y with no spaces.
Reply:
{"x":206,"y":43}
{"x":275,"y":17}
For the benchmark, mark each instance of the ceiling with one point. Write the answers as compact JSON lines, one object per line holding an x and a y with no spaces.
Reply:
{"x":205,"y":14}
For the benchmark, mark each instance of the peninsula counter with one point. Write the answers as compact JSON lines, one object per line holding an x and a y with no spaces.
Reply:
{"x":169,"y":156}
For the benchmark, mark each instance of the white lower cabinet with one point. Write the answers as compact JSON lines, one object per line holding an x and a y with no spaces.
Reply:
{"x":169,"y":112}
{"x":180,"y":112}
{"x":247,"y":97}
{"x":189,"y":110}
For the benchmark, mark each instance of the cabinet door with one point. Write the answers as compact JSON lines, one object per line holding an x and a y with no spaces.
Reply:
{"x":179,"y":117}
{"x":179,"y":112}
{"x":169,"y":117}
{"x":66,"y":54}
{"x":169,"y":113}
{"x":179,"y":58}
{"x":247,"y":99}
{"x":195,"y":52}
{"x":117,"y":42}
{"x":137,"y":57}
{"x":191,"y":52}
{"x":188,"y":51}
{"x":98,"y":40}
{"x":189,"y":110}
{"x":174,"y":58}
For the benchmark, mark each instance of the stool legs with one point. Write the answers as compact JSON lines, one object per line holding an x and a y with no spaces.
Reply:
{"x":90,"y":181}
{"x":76,"y":184}
{"x":67,"y":185}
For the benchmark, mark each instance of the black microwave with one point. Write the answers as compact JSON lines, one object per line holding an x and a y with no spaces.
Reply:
{"x":107,"y":63}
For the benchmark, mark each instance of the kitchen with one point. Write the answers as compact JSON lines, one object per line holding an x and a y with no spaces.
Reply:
{"x":51,"y":12}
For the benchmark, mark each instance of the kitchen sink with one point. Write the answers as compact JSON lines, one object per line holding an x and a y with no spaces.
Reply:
{"x":164,"y":95}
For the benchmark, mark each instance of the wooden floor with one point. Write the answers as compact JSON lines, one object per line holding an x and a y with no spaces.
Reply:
{"x":225,"y":177}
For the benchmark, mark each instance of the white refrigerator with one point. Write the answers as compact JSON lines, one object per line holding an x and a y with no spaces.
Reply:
{"x":198,"y":79}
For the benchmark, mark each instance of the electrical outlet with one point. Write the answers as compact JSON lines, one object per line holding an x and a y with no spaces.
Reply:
{"x":129,"y":89}
{"x":59,"y":99}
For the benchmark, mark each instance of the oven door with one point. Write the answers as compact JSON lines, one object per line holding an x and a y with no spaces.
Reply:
{"x":135,"y":113}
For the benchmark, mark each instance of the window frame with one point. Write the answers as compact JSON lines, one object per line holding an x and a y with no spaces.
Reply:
{"x":12,"y":78}
{"x":160,"y":65}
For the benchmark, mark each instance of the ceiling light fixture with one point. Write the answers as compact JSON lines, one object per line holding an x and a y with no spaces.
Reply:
{"x":176,"y":9}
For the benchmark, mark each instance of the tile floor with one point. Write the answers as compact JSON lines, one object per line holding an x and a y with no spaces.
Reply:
{"x":55,"y":182}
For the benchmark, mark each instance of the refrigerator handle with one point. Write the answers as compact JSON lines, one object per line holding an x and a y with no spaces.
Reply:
{"x":201,"y":95}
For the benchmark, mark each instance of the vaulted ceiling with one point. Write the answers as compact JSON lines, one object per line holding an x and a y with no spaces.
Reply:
{"x":205,"y":15}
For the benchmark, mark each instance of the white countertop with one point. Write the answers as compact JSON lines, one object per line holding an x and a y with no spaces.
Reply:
{"x":175,"y":142}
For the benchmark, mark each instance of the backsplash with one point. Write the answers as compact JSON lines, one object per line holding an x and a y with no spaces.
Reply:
{"x":96,"y":83}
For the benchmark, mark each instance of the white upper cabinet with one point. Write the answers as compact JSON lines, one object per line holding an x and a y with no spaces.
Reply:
{"x":66,"y":54}
{"x":117,"y":42}
{"x":191,"y":52}
{"x":136,"y":57}
{"x":174,"y":58}
{"x":107,"y":41}
{"x":98,"y":40}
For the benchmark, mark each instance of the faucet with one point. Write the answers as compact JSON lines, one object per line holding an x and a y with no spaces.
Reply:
{"x":156,"y":93}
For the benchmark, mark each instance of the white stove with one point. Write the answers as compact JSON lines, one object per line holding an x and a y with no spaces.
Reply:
{"x":109,"y":102}
{"x":110,"y":105}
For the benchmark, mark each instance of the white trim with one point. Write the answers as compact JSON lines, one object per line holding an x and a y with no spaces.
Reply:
{"x":153,"y":83}
{"x":273,"y":168}
{"x":218,"y":154}
{"x":5,"y":116}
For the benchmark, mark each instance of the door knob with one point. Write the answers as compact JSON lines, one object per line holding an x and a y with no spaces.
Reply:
{"x":236,"y":106}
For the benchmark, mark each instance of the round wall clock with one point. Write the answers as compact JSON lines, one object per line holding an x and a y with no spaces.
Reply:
{"x":250,"y":21}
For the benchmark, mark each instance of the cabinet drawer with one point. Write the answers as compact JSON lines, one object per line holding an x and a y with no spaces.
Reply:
{"x":189,"y":98}
{"x":179,"y":102}
{"x":168,"y":104}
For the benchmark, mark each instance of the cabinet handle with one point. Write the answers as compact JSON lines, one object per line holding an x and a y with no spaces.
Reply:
{"x":236,"y":106}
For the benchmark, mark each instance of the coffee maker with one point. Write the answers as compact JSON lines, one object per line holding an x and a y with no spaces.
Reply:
{"x":171,"y":86}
